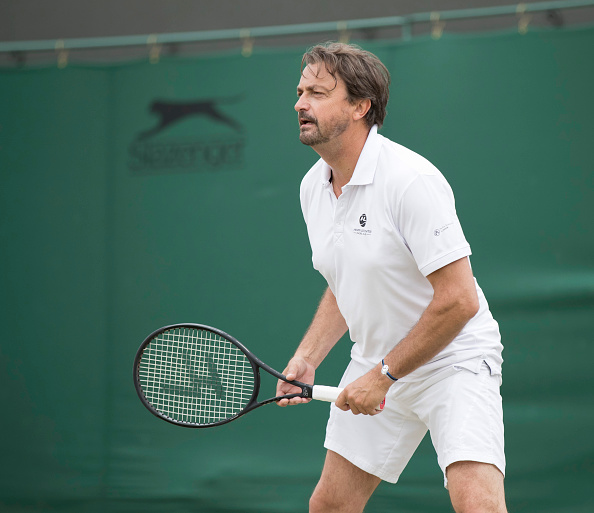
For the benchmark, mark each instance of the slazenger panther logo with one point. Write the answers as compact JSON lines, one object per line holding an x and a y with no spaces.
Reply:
{"x":174,"y":144}
{"x":170,"y":112}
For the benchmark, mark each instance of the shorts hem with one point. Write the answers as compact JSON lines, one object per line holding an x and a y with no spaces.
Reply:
{"x":470,"y":456}
{"x":360,"y":462}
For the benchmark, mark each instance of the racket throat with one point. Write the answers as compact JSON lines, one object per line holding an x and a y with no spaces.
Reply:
{"x":306,"y":390}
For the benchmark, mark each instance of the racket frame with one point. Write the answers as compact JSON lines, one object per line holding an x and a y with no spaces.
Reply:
{"x":256,"y":363}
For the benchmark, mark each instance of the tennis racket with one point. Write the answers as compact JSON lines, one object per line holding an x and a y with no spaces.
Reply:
{"x":196,"y":376}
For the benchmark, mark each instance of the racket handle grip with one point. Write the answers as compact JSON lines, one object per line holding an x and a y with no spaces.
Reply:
{"x":325,"y":393}
{"x":330,"y":394}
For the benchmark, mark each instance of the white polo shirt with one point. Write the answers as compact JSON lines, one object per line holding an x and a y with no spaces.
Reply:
{"x":394,"y":223}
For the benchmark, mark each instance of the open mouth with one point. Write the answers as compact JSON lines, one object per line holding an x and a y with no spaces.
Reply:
{"x":306,"y":122}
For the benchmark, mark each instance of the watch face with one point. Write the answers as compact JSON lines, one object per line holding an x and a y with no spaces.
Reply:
{"x":385,"y":369}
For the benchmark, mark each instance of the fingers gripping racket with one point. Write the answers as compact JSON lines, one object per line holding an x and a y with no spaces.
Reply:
{"x":197,"y":376}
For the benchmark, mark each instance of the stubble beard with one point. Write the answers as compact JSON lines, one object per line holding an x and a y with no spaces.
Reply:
{"x":318,"y":136}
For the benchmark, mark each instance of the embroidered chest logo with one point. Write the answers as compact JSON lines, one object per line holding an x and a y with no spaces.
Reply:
{"x":362,"y":223}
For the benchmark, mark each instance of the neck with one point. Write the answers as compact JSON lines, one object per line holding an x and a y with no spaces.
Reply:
{"x":342,"y":154}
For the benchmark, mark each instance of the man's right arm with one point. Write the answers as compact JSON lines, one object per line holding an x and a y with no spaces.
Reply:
{"x":326,"y":329}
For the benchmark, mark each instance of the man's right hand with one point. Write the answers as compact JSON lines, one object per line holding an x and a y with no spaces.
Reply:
{"x":297,"y":369}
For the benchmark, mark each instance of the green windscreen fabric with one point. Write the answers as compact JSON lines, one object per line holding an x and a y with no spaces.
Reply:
{"x":136,"y":195}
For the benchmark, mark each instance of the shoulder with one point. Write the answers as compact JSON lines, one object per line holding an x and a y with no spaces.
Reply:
{"x":410,"y":182}
{"x":403,"y":165}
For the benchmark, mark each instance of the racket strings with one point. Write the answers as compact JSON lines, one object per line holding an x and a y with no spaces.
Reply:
{"x":195,"y":376}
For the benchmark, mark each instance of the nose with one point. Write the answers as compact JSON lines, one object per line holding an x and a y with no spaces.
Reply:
{"x":301,"y":104}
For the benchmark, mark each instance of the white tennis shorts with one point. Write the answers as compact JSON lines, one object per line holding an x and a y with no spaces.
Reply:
{"x":460,"y":406}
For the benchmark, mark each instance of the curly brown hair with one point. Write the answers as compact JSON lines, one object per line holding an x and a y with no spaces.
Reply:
{"x":363,"y":73}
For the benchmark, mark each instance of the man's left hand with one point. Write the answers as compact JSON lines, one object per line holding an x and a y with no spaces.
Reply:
{"x":364,"y":395}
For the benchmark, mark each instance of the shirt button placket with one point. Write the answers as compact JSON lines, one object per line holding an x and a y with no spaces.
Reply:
{"x":339,"y":216}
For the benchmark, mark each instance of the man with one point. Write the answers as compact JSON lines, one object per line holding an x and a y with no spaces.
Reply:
{"x":385,"y":235}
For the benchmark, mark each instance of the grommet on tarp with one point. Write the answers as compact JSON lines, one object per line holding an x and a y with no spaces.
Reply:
{"x":19,"y":58}
{"x":154,"y":49}
{"x":344,"y":35}
{"x":406,"y":32}
{"x":437,"y":26}
{"x":62,"y":54}
{"x":523,"y":18}
{"x":247,"y":43}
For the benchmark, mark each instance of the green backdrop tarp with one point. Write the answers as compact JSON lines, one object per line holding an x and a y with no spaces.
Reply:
{"x":137,"y":195}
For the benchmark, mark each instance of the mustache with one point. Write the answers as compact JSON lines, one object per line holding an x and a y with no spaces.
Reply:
{"x":304,"y":117}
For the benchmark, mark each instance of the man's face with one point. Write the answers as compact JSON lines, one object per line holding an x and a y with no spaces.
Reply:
{"x":323,"y":108}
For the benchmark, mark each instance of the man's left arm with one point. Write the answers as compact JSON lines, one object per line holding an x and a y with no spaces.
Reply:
{"x":454,"y":303}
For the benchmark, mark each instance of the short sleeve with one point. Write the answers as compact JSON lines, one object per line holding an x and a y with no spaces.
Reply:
{"x":428,"y":222}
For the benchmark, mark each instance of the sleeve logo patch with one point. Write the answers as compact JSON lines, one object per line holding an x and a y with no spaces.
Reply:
{"x":437,"y":232}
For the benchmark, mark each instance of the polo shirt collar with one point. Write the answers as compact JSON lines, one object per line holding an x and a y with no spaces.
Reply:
{"x":326,"y":173}
{"x":365,"y":169}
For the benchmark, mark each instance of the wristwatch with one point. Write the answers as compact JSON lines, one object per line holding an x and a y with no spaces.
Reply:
{"x":386,"y":371}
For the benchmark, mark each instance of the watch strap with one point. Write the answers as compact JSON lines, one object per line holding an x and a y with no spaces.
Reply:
{"x":386,"y":371}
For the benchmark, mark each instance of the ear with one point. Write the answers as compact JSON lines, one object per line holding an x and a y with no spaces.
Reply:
{"x":361,"y":109}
